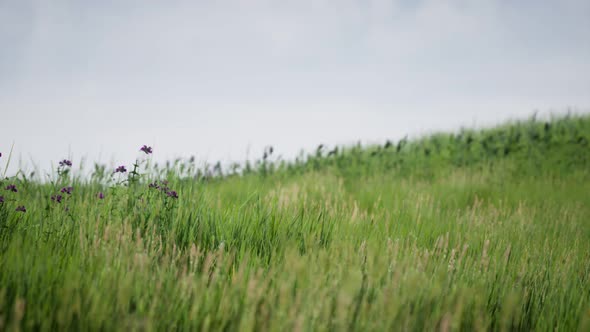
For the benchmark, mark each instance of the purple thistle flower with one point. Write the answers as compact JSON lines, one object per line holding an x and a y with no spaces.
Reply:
{"x":65,"y":162}
{"x":21,"y":208}
{"x":121,"y":169}
{"x":1,"y":199}
{"x":100,"y":195}
{"x":172,"y":194}
{"x":146,"y":149}
{"x":67,"y":190}
{"x":154,"y":185}
{"x":57,"y":198}
{"x":11,"y":187}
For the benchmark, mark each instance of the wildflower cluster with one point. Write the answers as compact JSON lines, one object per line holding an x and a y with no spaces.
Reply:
{"x":146,"y":149}
{"x":163,"y":187}
{"x":64,"y":167}
{"x":133,"y":175}
{"x":58,"y":197}
{"x":62,"y":194}
{"x":121,"y":169}
{"x":11,"y":188}
{"x":67,"y":190}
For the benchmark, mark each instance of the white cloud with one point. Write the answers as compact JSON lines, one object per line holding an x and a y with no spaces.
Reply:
{"x":223,"y":74}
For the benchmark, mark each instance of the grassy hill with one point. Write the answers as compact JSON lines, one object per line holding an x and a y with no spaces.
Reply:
{"x":474,"y":230}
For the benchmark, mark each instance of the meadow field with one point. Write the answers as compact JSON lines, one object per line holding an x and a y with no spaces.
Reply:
{"x":478,"y":229}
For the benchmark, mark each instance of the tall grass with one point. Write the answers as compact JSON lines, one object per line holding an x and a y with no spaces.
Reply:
{"x":476,"y":230}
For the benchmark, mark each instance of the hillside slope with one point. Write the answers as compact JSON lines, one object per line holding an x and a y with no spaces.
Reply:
{"x":476,"y":230}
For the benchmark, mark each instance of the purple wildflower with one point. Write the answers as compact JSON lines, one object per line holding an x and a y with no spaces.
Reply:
{"x":154,"y":185}
{"x":57,"y":198}
{"x":67,"y":190}
{"x":172,"y":194}
{"x":65,"y":162}
{"x":11,"y":187}
{"x":100,"y":195}
{"x":21,"y":208}
{"x":121,"y":169}
{"x":146,"y":149}
{"x":164,"y":186}
{"x":1,"y":199}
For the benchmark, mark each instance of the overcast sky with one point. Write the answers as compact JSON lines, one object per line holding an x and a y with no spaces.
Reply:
{"x":217,"y":79}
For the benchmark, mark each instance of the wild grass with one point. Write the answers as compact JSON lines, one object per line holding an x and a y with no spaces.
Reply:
{"x":476,"y":230}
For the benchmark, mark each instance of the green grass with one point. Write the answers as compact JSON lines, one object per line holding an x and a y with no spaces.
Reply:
{"x":476,"y":230}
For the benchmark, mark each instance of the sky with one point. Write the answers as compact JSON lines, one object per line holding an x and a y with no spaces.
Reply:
{"x":221,"y":80}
